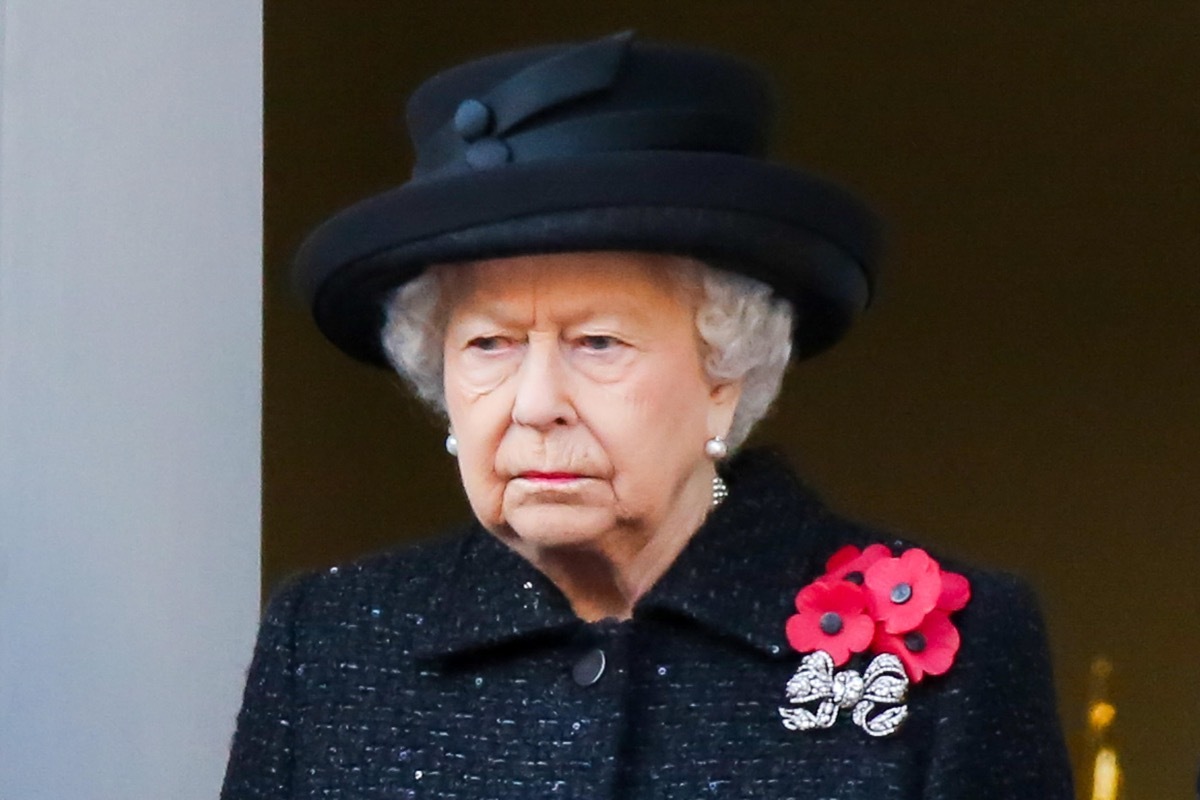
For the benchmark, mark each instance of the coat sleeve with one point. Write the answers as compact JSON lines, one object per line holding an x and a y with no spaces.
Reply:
{"x":997,"y":734}
{"x":260,"y":760}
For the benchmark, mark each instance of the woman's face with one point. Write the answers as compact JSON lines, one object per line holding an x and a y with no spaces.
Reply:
{"x":575,"y":387}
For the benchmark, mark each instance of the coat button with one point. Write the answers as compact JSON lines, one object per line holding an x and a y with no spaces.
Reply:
{"x":588,"y":669}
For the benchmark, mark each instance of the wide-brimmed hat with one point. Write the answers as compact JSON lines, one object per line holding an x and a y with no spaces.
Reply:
{"x":615,"y":144}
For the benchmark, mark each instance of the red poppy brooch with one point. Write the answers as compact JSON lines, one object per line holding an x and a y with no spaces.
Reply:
{"x":870,"y":601}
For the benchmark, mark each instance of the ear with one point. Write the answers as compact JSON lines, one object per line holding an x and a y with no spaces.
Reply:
{"x":722,"y":403}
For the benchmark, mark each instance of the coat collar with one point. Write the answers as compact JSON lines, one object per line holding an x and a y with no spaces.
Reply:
{"x":736,"y":578}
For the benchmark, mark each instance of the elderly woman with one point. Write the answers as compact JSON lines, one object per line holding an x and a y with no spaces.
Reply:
{"x":599,"y":280}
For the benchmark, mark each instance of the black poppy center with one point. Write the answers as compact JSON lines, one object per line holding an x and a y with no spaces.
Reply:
{"x":901,"y":593}
{"x":855,"y":577}
{"x":831,"y":623}
{"x":915,"y":641}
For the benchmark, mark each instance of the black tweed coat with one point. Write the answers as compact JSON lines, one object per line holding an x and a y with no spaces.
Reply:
{"x":455,"y":670}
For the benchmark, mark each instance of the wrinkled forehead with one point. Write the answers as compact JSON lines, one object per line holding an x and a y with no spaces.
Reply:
{"x":643,"y":285}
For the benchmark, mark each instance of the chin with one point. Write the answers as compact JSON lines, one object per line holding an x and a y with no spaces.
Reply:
{"x":552,"y":527}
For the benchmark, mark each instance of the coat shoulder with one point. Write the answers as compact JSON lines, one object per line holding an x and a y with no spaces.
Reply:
{"x":381,"y":587}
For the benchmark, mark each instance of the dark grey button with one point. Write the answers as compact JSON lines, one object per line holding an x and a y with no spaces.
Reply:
{"x":588,"y":669}
{"x":487,"y":153}
{"x":472,"y":119}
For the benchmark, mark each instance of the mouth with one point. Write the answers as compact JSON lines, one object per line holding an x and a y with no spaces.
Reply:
{"x":550,"y":477}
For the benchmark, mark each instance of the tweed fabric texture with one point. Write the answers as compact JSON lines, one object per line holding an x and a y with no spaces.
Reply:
{"x":445,"y":671}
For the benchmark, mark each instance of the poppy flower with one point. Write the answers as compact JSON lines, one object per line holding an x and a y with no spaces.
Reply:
{"x":851,"y":564}
{"x":903,"y":590}
{"x":832,"y":617}
{"x":956,"y":591}
{"x":928,"y":649}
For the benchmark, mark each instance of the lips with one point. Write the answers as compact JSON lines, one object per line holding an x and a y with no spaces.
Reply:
{"x":534,"y":475}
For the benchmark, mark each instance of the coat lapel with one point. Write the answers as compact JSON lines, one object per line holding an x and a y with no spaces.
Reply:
{"x":739,"y":575}
{"x":489,"y":597}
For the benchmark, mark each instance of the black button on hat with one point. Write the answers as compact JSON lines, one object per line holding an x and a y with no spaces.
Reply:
{"x":588,"y":669}
{"x":487,"y":153}
{"x":472,"y":119}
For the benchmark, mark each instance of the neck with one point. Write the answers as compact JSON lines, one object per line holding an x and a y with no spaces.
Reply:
{"x":608,"y":578}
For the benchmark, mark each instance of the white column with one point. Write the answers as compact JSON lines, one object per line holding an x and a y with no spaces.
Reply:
{"x":130,"y":377}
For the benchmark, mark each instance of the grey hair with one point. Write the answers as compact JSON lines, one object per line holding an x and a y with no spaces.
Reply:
{"x":746,"y":331}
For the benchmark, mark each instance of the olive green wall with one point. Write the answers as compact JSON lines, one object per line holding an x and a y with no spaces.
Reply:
{"x":1025,"y":392}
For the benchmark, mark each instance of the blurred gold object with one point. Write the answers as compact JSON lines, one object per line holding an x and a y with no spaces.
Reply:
{"x":1100,"y":716}
{"x":1106,"y":767}
{"x":1106,"y":776}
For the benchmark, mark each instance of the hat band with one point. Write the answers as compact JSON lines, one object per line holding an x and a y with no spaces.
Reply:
{"x":648,"y":129}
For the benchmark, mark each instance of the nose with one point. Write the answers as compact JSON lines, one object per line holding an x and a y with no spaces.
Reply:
{"x":543,"y":398}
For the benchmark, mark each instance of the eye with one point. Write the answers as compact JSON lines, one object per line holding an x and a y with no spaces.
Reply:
{"x":599,"y":343}
{"x":488,"y":344}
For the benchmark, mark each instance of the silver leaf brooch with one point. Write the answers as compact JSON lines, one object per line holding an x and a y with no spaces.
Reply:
{"x":870,"y":601}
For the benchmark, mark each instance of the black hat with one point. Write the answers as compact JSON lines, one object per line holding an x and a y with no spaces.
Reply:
{"x":610,"y":145}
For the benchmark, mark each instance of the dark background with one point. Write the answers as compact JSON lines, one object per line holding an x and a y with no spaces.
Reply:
{"x":1024,"y":393}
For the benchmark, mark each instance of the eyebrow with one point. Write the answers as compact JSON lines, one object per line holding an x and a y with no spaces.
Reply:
{"x":495,"y":312}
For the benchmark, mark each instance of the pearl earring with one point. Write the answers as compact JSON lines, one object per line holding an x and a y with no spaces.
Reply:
{"x":715,"y":448}
{"x":451,"y":445}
